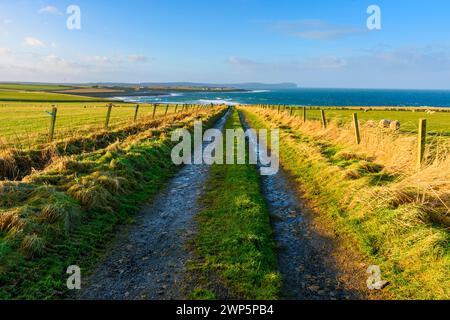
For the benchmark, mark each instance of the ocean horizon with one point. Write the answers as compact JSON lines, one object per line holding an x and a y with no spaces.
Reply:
{"x":309,"y":97}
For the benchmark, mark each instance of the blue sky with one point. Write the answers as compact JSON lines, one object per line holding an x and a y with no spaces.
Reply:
{"x":312,"y":43}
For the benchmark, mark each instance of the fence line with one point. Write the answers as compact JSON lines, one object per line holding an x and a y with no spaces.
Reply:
{"x":51,"y":134}
{"x":422,"y":134}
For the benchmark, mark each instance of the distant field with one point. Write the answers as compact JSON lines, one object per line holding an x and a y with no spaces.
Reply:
{"x":437,"y":123}
{"x":90,"y":90}
{"x":9,"y":95}
{"x":27,"y":122}
{"x":33,"y":87}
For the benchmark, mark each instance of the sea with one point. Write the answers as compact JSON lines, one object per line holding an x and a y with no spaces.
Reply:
{"x":309,"y":97}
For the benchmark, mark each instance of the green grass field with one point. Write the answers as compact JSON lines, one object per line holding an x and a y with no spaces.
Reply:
{"x":38,"y":96}
{"x":30,"y":121}
{"x":32,"y":87}
{"x":437,"y":123}
{"x":24,"y":116}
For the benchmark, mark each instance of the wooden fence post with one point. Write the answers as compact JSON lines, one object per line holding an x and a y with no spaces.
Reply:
{"x":356,"y":124}
{"x":136,"y":111}
{"x":324,"y":119}
{"x":304,"y":114}
{"x":167,"y":110}
{"x":421,"y":142}
{"x":52,"y":124}
{"x":108,"y":115}
{"x":292,"y":111}
{"x":154,"y":110}
{"x":176,"y":108}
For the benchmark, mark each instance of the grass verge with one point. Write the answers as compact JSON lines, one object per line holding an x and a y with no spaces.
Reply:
{"x":374,"y":209}
{"x":234,"y":243}
{"x":68,"y":214}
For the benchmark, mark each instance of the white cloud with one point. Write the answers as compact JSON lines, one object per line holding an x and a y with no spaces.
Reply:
{"x":61,"y":65}
{"x":34,"y":66}
{"x":33,"y":42}
{"x":5,"y":51}
{"x":7,"y":21}
{"x":50,"y":10}
{"x":98,"y":60}
{"x":137,"y":58}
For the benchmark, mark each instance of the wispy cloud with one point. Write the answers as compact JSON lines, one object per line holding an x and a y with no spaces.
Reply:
{"x":61,"y":64}
{"x":374,"y":67}
{"x":35,"y":66}
{"x":5,"y":51}
{"x":243,"y":62}
{"x":33,"y":42}
{"x":99,"y":60}
{"x":324,"y":62}
{"x":287,"y":66}
{"x":50,"y":10}
{"x":312,"y":29}
{"x":406,"y":59}
{"x":137,"y":58}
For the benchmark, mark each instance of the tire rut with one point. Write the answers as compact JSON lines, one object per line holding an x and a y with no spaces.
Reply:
{"x":304,"y":257}
{"x":149,"y":261}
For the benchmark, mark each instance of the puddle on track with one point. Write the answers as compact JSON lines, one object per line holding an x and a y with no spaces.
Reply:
{"x":149,"y":260}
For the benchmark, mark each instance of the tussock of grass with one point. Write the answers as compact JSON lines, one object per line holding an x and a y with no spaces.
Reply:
{"x":385,"y":206}
{"x":234,"y":238}
{"x":67,"y":213}
{"x":10,"y":222}
{"x":33,"y":245}
{"x":346,"y":155}
{"x":17,"y":163}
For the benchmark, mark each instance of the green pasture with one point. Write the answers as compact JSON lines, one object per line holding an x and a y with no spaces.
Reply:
{"x":21,"y":121}
{"x":24,"y":96}
{"x":33,"y":87}
{"x":438,"y":123}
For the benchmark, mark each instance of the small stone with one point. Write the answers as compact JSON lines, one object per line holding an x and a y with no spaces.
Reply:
{"x":314,"y":288}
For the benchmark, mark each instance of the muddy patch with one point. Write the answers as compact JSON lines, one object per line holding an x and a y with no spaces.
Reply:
{"x":304,"y":257}
{"x":149,"y":261}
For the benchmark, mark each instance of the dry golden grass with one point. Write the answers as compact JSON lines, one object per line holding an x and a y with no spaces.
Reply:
{"x":395,"y":152}
{"x":400,"y":218}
